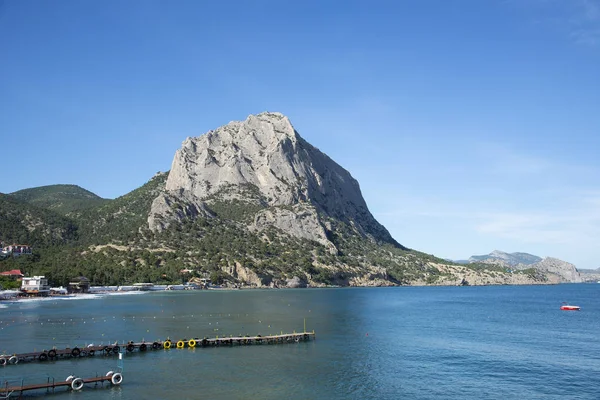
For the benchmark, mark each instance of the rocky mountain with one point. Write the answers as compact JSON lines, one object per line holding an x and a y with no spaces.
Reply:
{"x":292,"y":185}
{"x":566,"y":272}
{"x":510,"y":259}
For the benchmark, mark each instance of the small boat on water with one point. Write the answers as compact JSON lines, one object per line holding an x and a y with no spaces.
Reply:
{"x":568,"y":307}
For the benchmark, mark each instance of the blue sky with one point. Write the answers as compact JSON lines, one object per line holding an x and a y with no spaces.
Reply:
{"x":470,"y":125}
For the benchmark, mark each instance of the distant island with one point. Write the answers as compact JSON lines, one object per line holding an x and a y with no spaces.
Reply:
{"x":248,"y":204}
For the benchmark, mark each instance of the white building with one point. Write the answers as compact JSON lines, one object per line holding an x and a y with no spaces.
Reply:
{"x":37,"y":285}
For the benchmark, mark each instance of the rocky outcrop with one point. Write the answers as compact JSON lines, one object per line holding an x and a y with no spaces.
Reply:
{"x":298,"y":187}
{"x":301,"y":221}
{"x":168,"y":208}
{"x":295,"y":282}
{"x":465,"y":276}
{"x":246,"y":276}
{"x":564,"y":271}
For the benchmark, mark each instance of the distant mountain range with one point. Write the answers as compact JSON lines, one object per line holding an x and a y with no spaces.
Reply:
{"x":522,"y":261}
{"x":590,"y":275}
{"x":507,"y":258}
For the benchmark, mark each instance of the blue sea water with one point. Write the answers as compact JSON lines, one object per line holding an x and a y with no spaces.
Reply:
{"x":494,"y":342}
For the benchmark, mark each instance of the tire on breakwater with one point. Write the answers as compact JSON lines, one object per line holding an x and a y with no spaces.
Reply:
{"x":77,"y":384}
{"x":116,"y":378}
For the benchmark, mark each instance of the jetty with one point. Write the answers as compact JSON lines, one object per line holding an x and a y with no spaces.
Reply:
{"x":116,"y":348}
{"x":8,"y":388}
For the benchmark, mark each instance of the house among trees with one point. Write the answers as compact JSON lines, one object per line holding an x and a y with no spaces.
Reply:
{"x":17,"y":250}
{"x":81,"y":284}
{"x":14,"y":274}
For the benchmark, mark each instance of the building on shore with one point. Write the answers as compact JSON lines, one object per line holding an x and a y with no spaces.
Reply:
{"x":35,"y":286}
{"x":81,"y":284}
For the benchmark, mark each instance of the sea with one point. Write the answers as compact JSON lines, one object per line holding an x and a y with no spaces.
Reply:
{"x":489,"y":342}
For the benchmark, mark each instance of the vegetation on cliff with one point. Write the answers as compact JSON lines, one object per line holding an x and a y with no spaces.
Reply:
{"x":110,"y":244}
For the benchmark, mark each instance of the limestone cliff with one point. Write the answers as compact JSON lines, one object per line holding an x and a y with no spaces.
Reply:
{"x":264,"y":162}
{"x":566,"y":271}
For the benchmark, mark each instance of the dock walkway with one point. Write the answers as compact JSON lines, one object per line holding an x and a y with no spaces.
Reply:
{"x":75,"y":383}
{"x":131,"y":346}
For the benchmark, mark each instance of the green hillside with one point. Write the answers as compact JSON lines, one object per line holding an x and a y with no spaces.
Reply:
{"x":119,"y":220}
{"x":62,"y":199}
{"x":23,"y":223}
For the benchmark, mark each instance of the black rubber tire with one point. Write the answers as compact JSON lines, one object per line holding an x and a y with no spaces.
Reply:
{"x":143,"y":347}
{"x":75,"y":352}
{"x":52,"y":353}
{"x":116,"y":349}
{"x":43,"y":357}
{"x":130,"y":347}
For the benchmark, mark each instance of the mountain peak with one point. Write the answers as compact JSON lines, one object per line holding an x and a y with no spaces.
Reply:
{"x":264,"y":156}
{"x":269,"y":115}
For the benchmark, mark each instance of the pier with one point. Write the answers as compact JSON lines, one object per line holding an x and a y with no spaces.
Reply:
{"x":75,"y":383}
{"x":131,"y":346}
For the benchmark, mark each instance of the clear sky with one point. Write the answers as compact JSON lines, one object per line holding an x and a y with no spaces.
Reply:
{"x":471,"y":125}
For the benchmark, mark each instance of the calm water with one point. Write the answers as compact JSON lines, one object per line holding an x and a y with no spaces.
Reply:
{"x":372,"y":343}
